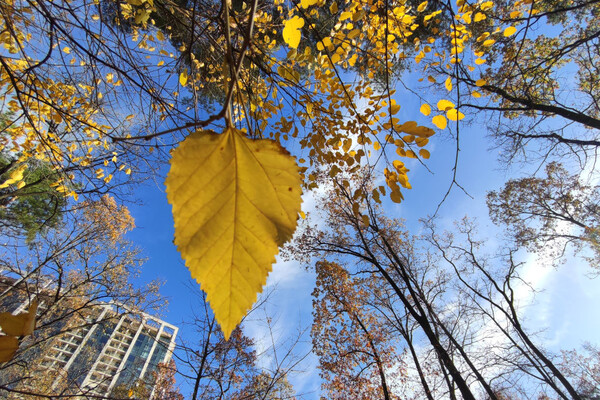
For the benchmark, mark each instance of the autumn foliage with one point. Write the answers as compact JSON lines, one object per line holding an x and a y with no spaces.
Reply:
{"x":100,"y":91}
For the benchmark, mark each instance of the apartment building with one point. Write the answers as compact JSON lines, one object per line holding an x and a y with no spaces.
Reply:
{"x":108,"y":347}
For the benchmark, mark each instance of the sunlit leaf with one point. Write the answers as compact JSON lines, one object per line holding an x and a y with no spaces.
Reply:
{"x":424,"y":153}
{"x":511,"y":30}
{"x":448,"y":84}
{"x":440,"y":121}
{"x":307,"y":3}
{"x":235,"y":201}
{"x":454,"y":115}
{"x":444,"y":105}
{"x":15,"y":176}
{"x":291,"y":31}
{"x":425,"y":109}
{"x":183,"y":77}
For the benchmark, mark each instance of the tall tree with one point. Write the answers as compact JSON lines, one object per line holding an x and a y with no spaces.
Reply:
{"x":548,"y":214}
{"x":463,"y":305}
{"x":165,"y":386}
{"x":355,"y":348}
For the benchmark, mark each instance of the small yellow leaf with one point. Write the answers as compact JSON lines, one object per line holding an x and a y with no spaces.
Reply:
{"x":448,"y":84}
{"x":235,"y":201}
{"x":21,"y":324}
{"x":419,"y":57}
{"x":424,"y":153}
{"x":511,"y":30}
{"x":486,"y":5}
{"x":67,"y":50}
{"x":8,"y":347}
{"x":291,"y":31}
{"x":421,"y":141}
{"x":422,"y":6}
{"x":476,"y":94}
{"x":141,"y":16}
{"x":440,"y":121}
{"x":354,"y":33}
{"x":480,"y":82}
{"x":444,"y":105}
{"x":394,"y":108}
{"x":413,"y":128}
{"x":425,"y":109}
{"x":479,"y":17}
{"x":454,"y":115}
{"x":183,"y":77}
{"x":17,"y":174}
{"x":396,"y":196}
{"x":365,"y":219}
{"x":302,"y":215}
{"x":307,"y":3}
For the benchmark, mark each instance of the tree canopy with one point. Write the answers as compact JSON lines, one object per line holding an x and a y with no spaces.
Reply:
{"x":250,"y":103}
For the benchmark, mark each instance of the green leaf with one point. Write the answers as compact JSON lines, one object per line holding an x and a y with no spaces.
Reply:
{"x":235,"y":201}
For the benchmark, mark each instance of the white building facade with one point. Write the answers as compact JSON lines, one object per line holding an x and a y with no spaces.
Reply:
{"x":112,"y":348}
{"x":112,"y":352}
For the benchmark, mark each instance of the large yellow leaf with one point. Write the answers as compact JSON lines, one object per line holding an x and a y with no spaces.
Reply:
{"x":8,"y":347}
{"x":21,"y":324}
{"x":235,"y":201}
